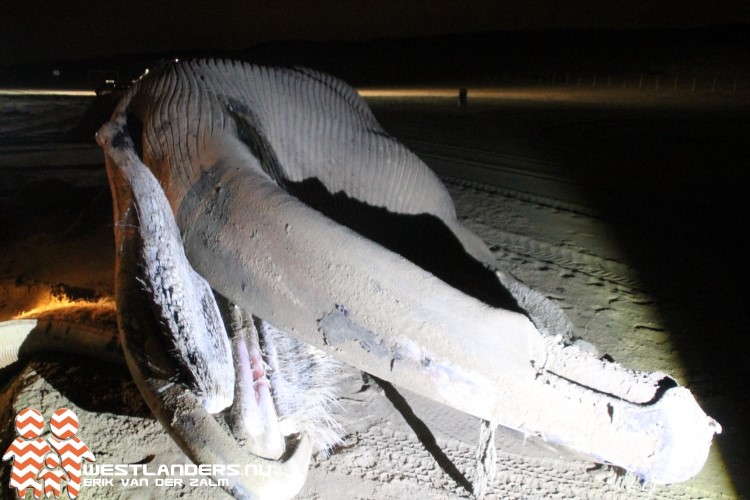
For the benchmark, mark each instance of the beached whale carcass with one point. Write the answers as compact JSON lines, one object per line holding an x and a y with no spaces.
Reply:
{"x":278,"y":190}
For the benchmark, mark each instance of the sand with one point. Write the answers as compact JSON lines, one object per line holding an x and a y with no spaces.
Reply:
{"x":551,"y":233}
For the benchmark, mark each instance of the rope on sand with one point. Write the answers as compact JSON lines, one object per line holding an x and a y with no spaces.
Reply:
{"x":486,"y":459}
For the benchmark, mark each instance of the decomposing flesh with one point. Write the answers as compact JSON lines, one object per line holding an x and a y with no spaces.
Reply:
{"x":278,"y":191}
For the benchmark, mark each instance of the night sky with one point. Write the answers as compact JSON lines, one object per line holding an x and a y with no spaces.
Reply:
{"x":38,"y":30}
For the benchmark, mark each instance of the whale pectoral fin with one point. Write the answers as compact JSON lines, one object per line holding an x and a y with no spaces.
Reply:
{"x":173,"y":336}
{"x":151,"y":260}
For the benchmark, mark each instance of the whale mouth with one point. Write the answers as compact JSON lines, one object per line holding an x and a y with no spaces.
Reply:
{"x":303,"y":383}
{"x":261,"y":383}
{"x":283,"y":387}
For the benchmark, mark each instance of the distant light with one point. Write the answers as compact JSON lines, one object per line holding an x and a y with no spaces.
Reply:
{"x":452,"y":93}
{"x":55,"y":72}
{"x":47,"y":92}
{"x":407,"y":92}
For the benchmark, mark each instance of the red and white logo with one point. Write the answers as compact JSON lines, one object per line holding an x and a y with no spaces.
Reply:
{"x":29,"y":423}
{"x":64,"y":423}
{"x":73,"y":451}
{"x":30,"y":453}
{"x":53,"y":476}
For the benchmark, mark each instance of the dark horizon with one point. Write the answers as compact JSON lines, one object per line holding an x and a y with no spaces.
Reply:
{"x":474,"y":58}
{"x":35,"y":31}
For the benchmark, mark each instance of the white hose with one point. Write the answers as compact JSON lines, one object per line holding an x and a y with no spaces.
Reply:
{"x":21,"y":338}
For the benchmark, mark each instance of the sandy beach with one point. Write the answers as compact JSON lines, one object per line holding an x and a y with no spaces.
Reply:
{"x":647,"y":261}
